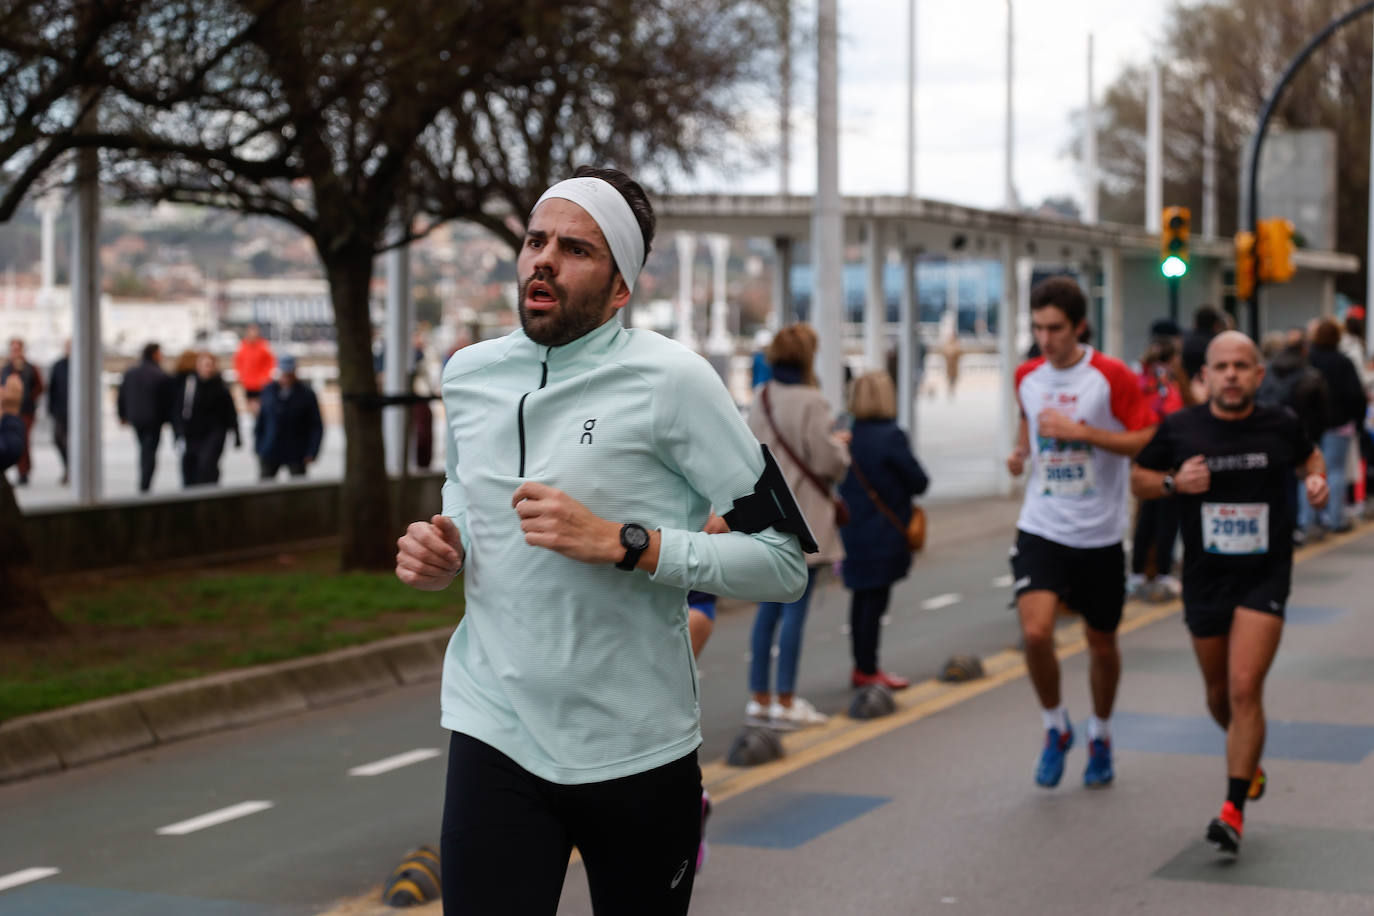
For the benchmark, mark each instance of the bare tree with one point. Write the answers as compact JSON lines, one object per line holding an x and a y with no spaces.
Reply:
{"x":341,"y":116}
{"x":1242,"y":47}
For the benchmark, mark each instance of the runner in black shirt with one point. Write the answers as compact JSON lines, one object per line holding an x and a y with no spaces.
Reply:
{"x":1228,"y":463}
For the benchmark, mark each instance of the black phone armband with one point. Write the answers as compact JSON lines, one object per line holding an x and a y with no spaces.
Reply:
{"x":771,"y":505}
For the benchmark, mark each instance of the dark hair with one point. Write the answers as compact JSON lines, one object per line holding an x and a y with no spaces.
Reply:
{"x":1355,"y":326}
{"x":1207,"y":319}
{"x":1326,"y":335}
{"x":1063,"y":293}
{"x":1159,"y":350}
{"x":634,"y":196}
{"x":150,"y":351}
{"x":1165,"y":327}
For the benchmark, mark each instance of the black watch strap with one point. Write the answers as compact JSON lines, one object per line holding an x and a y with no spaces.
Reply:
{"x":635,"y":539}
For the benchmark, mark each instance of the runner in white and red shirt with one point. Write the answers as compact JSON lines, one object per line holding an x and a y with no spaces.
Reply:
{"x":1086,"y":416}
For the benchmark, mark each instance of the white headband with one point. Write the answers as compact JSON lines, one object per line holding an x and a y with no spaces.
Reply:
{"x":612,"y":214}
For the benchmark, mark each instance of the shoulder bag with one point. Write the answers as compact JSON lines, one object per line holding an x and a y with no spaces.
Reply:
{"x":914,"y":530}
{"x":841,"y":510}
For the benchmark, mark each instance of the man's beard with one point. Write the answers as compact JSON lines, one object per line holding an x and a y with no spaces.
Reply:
{"x":1238,"y":403}
{"x":572,"y":318}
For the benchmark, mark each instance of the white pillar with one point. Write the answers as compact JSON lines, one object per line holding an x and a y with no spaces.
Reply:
{"x":49,"y":206}
{"x":396,"y":362}
{"x":911,"y":99}
{"x":1025,"y":268}
{"x":87,"y":356}
{"x":1113,"y":308}
{"x":827,"y":220}
{"x":1010,"y":184}
{"x":1090,"y":147}
{"x":686,"y":259}
{"x":718,"y":341}
{"x":785,"y":101}
{"x":875,"y":303}
{"x":1154,"y":153}
{"x":1209,"y":163}
{"x":1008,"y":358}
{"x":908,"y":373}
{"x":781,"y":314}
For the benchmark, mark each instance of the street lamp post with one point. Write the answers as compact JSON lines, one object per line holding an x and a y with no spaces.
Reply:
{"x":1251,"y":199}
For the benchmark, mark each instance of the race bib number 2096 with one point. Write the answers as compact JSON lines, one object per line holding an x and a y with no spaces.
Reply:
{"x":1235,"y":529}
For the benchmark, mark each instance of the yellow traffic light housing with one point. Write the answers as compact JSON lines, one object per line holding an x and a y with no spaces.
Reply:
{"x":1176,"y":223}
{"x":1245,"y":265}
{"x":1274,"y":250}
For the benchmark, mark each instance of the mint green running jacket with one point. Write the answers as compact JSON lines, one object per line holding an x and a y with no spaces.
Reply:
{"x":583,"y":673}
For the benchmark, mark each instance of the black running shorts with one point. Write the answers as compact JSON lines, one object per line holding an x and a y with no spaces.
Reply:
{"x":1091,"y":581}
{"x":1210,"y":600}
{"x":507,"y":835}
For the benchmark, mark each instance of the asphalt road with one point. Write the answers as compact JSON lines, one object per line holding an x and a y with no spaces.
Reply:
{"x":271,"y":820}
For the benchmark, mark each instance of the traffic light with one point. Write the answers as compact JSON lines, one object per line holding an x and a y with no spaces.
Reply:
{"x":1274,"y":250}
{"x":1245,"y":265}
{"x":1173,"y":242}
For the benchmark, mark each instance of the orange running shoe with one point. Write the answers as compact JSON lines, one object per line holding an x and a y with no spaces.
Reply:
{"x":1257,"y":785}
{"x":1225,"y":830}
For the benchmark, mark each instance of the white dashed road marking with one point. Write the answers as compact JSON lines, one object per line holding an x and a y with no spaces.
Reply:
{"x":214,"y":818}
{"x":388,"y":764}
{"x":939,"y":601}
{"x":26,"y":876}
{"x":1003,"y":581}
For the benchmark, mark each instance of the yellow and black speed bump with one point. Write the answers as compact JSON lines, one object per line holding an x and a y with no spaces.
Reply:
{"x":415,"y":880}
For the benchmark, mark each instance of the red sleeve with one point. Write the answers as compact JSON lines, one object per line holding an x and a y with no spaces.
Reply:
{"x":1128,"y":403}
{"x":1022,"y":371}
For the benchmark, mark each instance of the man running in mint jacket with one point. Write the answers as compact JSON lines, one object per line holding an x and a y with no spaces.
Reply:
{"x":583,"y":461}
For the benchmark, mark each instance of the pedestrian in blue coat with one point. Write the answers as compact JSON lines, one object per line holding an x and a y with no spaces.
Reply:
{"x":289,"y":428}
{"x":876,"y":551}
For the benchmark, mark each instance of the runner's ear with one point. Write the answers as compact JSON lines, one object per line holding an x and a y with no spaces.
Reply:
{"x":771,"y":505}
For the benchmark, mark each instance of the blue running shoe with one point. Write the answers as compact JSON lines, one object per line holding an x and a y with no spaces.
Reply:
{"x":1099,"y":770}
{"x":1050,"y":769}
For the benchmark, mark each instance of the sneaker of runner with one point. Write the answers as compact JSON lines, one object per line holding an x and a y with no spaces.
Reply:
{"x":1228,"y":464}
{"x":1082,"y":418}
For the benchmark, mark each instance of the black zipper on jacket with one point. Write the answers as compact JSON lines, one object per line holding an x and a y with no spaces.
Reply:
{"x":520,"y":416}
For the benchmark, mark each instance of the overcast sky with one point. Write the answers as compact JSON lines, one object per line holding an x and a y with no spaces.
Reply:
{"x":961,"y":95}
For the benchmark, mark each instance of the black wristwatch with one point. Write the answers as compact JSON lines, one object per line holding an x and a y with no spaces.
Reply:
{"x":1170,"y":488}
{"x":635,"y":539}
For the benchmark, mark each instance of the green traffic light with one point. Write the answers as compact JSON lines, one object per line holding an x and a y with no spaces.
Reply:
{"x":1173,"y":267}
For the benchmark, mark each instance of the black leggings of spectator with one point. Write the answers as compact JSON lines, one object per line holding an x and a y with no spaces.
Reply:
{"x":866,"y":609}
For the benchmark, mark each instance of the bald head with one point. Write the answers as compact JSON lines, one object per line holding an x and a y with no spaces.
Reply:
{"x":1233,"y":374}
{"x":1229,"y":341}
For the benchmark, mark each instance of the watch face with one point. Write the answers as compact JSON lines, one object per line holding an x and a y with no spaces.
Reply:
{"x":634,"y":537}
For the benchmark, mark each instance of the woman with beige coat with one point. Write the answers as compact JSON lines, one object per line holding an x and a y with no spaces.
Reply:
{"x":792,"y":417}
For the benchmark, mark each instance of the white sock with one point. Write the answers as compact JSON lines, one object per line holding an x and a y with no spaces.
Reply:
{"x":1098,"y":728}
{"x":1055,"y":718}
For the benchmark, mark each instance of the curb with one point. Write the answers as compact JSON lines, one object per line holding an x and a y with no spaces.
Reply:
{"x":75,"y":735}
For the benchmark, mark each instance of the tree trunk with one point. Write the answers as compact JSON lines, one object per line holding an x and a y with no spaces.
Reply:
{"x":24,"y":612}
{"x":369,"y":541}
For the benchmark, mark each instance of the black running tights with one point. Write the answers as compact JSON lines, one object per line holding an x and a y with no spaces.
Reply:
{"x":507,"y":836}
